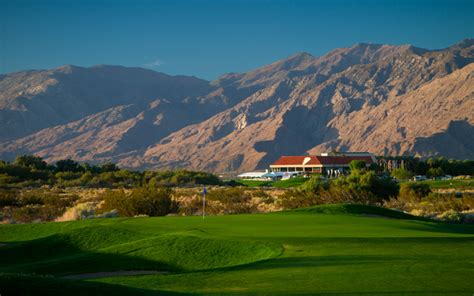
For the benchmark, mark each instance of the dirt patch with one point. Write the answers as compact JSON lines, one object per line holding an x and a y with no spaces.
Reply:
{"x":96,"y":275}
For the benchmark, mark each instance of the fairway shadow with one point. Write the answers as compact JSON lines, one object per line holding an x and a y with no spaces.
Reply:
{"x":441,"y":227}
{"x":20,"y":284}
{"x":314,"y":261}
{"x":342,"y":293}
{"x":56,"y":255}
{"x":346,"y":260}
{"x":358,"y":210}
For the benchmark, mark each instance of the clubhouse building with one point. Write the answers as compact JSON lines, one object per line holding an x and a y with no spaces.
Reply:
{"x":323,"y":164}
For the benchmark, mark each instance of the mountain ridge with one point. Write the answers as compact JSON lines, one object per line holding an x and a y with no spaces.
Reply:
{"x":301,"y":104}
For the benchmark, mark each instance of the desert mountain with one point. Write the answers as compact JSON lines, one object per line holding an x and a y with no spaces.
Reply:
{"x":381,"y":98}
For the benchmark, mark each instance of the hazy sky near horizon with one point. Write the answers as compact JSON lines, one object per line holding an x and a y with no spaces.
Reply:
{"x":208,"y":38}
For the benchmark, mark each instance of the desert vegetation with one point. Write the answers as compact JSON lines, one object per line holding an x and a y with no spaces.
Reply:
{"x":34,"y":191}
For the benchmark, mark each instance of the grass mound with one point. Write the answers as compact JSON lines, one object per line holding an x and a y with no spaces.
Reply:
{"x":186,"y":252}
{"x":57,"y":245}
{"x":97,"y":237}
{"x":100,"y":248}
{"x":355,"y":209}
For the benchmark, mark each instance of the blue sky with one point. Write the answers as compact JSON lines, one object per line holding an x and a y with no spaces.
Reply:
{"x":208,"y":38}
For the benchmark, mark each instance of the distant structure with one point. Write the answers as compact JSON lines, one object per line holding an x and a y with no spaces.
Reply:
{"x":391,"y":164}
{"x":326,"y":163}
{"x":258,"y":175}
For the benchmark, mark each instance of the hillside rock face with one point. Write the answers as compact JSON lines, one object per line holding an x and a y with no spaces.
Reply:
{"x":379,"y":98}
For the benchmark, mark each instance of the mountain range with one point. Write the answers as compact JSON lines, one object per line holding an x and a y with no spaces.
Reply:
{"x":389,"y":100}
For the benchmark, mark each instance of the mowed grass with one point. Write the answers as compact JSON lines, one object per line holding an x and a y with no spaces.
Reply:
{"x":455,"y":183}
{"x":326,"y":250}
{"x":289,"y":183}
{"x":448,"y":184}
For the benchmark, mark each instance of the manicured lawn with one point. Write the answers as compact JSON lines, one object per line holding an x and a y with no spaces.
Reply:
{"x":255,"y":183}
{"x":447,"y":184}
{"x":457,"y":184}
{"x":293,"y":182}
{"x":330,"y":250}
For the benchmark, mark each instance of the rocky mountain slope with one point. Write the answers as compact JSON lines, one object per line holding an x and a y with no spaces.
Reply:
{"x":381,"y":98}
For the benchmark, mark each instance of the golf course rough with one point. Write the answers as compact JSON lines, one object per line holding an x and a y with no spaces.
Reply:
{"x":334,"y":250}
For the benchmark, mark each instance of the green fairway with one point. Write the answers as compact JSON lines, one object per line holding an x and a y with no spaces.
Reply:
{"x":293,"y":182}
{"x":455,"y":183}
{"x":448,"y":184}
{"x":326,"y":250}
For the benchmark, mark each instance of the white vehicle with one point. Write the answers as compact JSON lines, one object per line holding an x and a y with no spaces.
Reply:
{"x":419,"y":178}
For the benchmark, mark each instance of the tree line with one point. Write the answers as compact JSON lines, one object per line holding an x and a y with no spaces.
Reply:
{"x":431,"y":167}
{"x":33,"y":171}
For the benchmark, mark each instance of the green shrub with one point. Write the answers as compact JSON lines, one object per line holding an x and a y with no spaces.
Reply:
{"x":6,"y":180}
{"x":34,"y":205}
{"x":229,"y":195}
{"x":30,"y":198}
{"x":468,"y":200}
{"x":435,"y":172}
{"x":401,"y":174}
{"x":263,"y":196}
{"x":180,"y":177}
{"x":234,"y":183}
{"x":68,"y":165}
{"x":315,"y":184}
{"x":413,"y":191}
{"x":66,"y":176}
{"x":368,"y":185}
{"x":8,"y":198}
{"x":294,"y":199}
{"x":357,"y":165}
{"x":451,"y":216}
{"x":232,"y":200}
{"x":193,"y":205}
{"x":30,"y":161}
{"x":26,"y":214}
{"x":139,"y":201}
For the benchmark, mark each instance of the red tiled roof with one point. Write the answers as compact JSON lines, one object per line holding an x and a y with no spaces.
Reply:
{"x":318,"y":160}
{"x":296,"y":160}
{"x":341,"y":160}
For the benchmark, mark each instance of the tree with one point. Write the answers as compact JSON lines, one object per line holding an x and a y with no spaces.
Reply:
{"x":374,"y":167}
{"x":31,"y":161}
{"x":90,"y":168}
{"x":109,"y":167}
{"x":367,"y":183}
{"x":435,"y":172}
{"x":357,"y":165}
{"x":315,"y":184}
{"x":401,"y":174}
{"x":68,"y":165}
